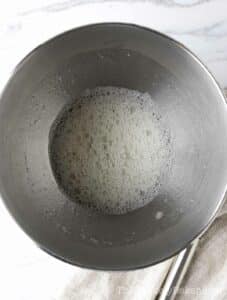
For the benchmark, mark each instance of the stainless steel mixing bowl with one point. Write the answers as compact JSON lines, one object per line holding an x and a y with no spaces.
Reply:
{"x":192,"y":105}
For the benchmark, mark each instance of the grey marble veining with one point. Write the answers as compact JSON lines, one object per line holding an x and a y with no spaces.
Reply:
{"x":64,"y":5}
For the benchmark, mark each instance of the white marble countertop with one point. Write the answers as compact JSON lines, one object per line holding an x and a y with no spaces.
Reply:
{"x":199,"y":24}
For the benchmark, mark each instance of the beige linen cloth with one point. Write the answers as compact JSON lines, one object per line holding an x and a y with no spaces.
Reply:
{"x":205,"y":279}
{"x":207,"y":275}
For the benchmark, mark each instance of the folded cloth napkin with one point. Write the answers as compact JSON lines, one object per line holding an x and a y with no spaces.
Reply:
{"x":207,"y":275}
{"x":102,"y":285}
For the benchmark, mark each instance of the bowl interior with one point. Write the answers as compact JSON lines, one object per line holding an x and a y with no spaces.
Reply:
{"x":191,"y":106}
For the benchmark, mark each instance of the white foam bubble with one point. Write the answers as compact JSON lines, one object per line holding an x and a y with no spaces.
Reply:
{"x":110,"y":149}
{"x":159,"y":215}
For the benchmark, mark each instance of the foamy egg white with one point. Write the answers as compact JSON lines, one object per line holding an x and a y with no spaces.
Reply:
{"x":110,"y":150}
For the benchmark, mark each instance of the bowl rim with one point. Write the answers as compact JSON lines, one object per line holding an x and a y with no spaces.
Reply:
{"x":215,"y":84}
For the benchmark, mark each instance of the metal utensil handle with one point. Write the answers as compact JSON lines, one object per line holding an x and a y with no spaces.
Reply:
{"x":176,"y":273}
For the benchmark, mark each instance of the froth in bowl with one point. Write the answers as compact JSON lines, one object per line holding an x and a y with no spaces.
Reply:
{"x":109,"y":149}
